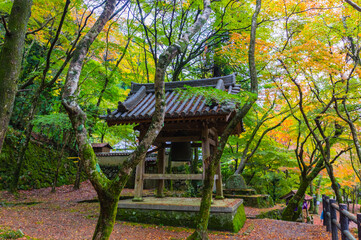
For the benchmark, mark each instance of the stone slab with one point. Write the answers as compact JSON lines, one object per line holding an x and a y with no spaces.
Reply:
{"x":181,"y":204}
{"x":226,"y":214}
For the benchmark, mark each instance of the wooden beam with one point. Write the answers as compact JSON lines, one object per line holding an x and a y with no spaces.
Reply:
{"x":173,"y":176}
{"x":212,"y":142}
{"x":193,"y":144}
{"x":178,"y":139}
{"x":213,"y":131}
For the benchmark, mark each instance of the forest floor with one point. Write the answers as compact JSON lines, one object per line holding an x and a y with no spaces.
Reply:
{"x":44,"y":215}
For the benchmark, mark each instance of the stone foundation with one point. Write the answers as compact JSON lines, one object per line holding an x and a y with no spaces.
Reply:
{"x":226,"y":215}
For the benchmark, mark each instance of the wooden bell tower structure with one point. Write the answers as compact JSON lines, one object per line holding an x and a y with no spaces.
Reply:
{"x":189,"y":122}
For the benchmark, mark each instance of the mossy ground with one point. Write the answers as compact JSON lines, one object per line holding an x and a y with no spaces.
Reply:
{"x":8,"y":233}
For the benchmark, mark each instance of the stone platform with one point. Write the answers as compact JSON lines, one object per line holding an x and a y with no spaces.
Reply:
{"x":226,"y":214}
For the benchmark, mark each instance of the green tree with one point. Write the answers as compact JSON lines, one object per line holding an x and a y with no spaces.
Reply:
{"x":10,"y":60}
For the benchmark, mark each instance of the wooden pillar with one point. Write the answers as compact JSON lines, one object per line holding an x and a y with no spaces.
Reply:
{"x":219,"y":187}
{"x":139,"y":182}
{"x":161,"y":169}
{"x":206,"y":151}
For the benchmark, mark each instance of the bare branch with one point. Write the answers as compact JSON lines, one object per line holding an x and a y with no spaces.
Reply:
{"x":354,"y":5}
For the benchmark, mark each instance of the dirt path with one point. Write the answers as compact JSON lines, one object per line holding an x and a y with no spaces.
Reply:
{"x":60,"y":216}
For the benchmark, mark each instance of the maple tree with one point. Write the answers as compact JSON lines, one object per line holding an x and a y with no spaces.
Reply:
{"x":304,"y":65}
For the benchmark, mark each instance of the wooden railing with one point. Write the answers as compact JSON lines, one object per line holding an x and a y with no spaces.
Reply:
{"x":330,"y":219}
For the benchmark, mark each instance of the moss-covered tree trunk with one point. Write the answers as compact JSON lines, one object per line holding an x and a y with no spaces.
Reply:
{"x":204,"y":211}
{"x":10,"y":60}
{"x":290,"y":213}
{"x":35,"y":102}
{"x":212,"y":162}
{"x":108,"y":211}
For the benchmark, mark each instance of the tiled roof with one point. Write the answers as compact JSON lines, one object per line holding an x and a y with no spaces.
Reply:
{"x":100,"y":145}
{"x":148,"y":157}
{"x":139,"y":106}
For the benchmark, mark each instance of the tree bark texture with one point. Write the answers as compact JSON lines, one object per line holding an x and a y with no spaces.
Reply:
{"x":10,"y":60}
{"x":290,"y":213}
{"x":78,"y":118}
{"x":35,"y":102}
{"x":334,"y":183}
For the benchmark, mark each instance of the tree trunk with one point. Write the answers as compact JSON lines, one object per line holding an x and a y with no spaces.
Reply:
{"x":204,"y":211}
{"x":312,"y":204}
{"x":28,"y":130}
{"x":108,"y":212}
{"x":110,"y":189}
{"x":10,"y":60}
{"x":77,"y":176}
{"x":334,"y":185}
{"x":55,"y":182}
{"x":214,"y":159}
{"x":289,"y":214}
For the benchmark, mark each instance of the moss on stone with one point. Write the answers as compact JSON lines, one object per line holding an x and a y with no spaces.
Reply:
{"x":258,"y":201}
{"x":236,"y":181}
{"x":273,"y":214}
{"x":38,"y":169}
{"x":232,"y":222}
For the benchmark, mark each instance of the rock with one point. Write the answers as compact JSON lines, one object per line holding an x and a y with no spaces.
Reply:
{"x":236,"y":181}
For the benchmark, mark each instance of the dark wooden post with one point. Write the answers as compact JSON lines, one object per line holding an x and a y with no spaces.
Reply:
{"x":359,"y":225}
{"x":219,"y":187}
{"x":324,"y":208}
{"x":206,"y":151}
{"x":139,"y":181}
{"x":161,"y":169}
{"x":333,"y":217}
{"x":343,"y":220}
{"x":326,"y":213}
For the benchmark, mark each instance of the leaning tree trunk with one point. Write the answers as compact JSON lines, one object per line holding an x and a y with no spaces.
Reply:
{"x":58,"y":164}
{"x":289,"y":214}
{"x":108,"y":211}
{"x":212,"y":162}
{"x":10,"y":60}
{"x":109,"y":190}
{"x":334,"y":183}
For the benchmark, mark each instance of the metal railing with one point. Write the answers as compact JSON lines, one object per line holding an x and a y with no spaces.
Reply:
{"x":330,"y":219}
